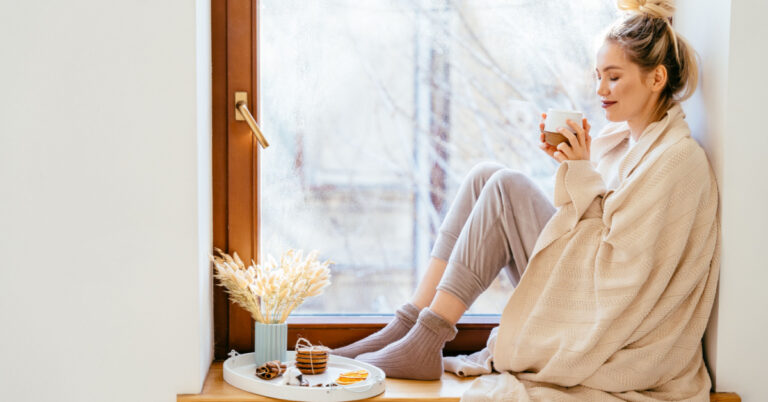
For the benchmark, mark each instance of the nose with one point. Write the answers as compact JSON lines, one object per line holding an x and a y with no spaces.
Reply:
{"x":602,"y":88}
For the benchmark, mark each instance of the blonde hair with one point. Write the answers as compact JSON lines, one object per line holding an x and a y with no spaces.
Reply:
{"x":646,"y":34}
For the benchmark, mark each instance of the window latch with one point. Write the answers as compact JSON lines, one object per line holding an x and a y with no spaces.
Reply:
{"x":242,"y":113}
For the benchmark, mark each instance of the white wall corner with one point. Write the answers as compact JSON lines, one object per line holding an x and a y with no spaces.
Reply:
{"x":741,"y":323}
{"x":706,"y":25}
{"x":731,"y":102}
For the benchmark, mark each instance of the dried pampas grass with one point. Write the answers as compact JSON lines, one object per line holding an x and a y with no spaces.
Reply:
{"x":272,"y":289}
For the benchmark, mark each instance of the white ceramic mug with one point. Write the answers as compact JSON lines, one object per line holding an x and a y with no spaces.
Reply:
{"x":556,"y":119}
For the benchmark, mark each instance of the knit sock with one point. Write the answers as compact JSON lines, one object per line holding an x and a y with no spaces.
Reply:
{"x":405,"y":317}
{"x":419,"y":354}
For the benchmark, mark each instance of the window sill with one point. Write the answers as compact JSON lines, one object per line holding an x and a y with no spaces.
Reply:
{"x":449,"y":388}
{"x":335,"y":331}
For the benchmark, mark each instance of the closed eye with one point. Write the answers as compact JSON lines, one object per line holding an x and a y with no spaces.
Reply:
{"x":597,"y":77}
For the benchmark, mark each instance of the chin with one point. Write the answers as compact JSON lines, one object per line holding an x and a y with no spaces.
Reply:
{"x":613,"y":117}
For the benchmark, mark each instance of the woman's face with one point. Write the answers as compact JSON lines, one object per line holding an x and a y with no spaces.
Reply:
{"x":624,"y":90}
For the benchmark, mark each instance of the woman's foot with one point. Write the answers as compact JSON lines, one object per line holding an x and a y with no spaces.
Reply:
{"x":405,"y":318}
{"x":419,"y":354}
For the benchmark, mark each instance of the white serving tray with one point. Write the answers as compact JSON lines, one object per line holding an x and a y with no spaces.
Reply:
{"x":240,"y":372}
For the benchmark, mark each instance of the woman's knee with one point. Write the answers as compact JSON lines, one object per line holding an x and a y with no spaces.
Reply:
{"x":511,"y":180}
{"x":482,"y":172}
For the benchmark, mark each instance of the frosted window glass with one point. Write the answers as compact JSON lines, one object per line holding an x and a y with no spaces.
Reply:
{"x":377,"y":109}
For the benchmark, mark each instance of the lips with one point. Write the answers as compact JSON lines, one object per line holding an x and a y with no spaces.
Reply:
{"x":607,"y":104}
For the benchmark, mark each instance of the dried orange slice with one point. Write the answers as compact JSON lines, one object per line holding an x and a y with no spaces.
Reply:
{"x":365,"y":372}
{"x":351,"y":377}
{"x":342,"y":381}
{"x":355,"y":374}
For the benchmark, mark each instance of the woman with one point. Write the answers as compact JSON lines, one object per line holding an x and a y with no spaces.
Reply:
{"x":620,"y":273}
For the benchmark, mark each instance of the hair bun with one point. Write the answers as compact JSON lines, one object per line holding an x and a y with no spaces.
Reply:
{"x":651,"y":8}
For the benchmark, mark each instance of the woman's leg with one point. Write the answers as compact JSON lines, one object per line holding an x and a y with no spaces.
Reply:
{"x":406,"y":315}
{"x":500,"y":231}
{"x":454,"y":221}
{"x":427,"y":287}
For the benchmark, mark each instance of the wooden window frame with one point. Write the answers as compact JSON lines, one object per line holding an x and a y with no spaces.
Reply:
{"x":234,"y":34}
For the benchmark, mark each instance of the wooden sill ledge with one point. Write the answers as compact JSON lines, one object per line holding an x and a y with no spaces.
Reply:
{"x":449,"y":388}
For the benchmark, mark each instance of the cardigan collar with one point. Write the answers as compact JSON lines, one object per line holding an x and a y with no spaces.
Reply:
{"x":617,"y":133}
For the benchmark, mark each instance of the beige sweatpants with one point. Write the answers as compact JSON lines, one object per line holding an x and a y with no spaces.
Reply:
{"x":493,"y":223}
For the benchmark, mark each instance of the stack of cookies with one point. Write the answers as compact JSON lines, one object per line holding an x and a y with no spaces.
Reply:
{"x":311,"y":359}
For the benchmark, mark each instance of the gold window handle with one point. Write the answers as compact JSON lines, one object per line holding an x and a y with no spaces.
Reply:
{"x":242,"y":113}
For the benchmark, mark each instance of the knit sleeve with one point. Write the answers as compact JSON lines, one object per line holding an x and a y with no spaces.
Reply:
{"x":577,"y":185}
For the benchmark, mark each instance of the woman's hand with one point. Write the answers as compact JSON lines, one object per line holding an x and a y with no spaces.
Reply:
{"x":549,"y":149}
{"x":576,"y":148}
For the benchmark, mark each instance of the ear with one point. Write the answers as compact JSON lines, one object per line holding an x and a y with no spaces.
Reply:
{"x":657,"y":79}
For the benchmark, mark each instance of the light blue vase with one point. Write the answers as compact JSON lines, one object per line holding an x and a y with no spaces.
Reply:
{"x":270,"y":342}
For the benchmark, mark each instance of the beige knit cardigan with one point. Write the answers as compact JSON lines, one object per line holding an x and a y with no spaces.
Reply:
{"x":619,"y":288}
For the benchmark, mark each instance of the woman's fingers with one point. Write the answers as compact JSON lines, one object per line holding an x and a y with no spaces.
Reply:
{"x":578,"y":130}
{"x":544,"y":145}
{"x":547,"y":151}
{"x":577,"y":145}
{"x":573,"y":141}
{"x":566,"y":150}
{"x":547,"y":148}
{"x":556,"y":153}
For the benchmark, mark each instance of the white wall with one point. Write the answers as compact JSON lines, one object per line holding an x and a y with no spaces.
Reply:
{"x":727,"y":35}
{"x":707,"y":28}
{"x":105,"y":211}
{"x":743,"y":321}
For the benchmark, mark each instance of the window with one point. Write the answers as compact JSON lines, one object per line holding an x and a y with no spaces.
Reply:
{"x":377,"y":109}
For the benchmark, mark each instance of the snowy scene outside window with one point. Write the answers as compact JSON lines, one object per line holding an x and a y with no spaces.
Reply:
{"x":377,"y":109}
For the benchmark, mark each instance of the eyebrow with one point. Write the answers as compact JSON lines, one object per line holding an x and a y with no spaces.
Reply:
{"x":609,"y":68}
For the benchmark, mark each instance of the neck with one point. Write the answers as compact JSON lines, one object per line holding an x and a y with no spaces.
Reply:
{"x":638,"y":124}
{"x":636,"y":128}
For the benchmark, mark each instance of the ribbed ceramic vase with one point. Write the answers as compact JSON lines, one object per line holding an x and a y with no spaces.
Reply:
{"x":270,"y":342}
